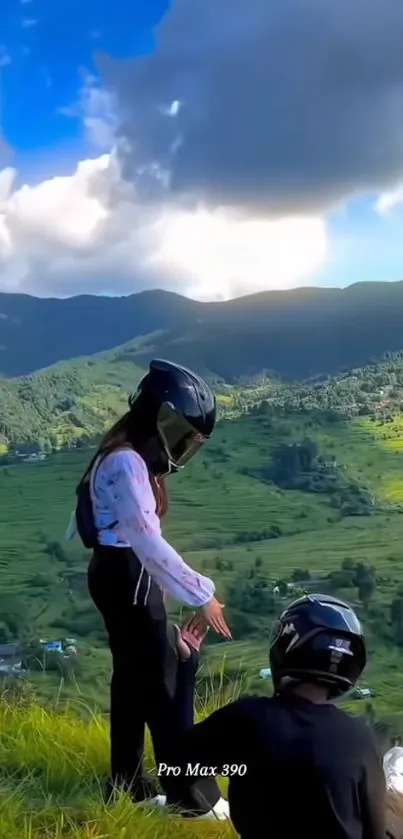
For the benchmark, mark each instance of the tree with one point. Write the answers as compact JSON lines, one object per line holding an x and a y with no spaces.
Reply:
{"x":348,"y":564}
{"x":365,"y":582}
{"x":252,"y":595}
{"x":14,"y":616}
{"x":346,"y":577}
{"x":290,"y":461}
{"x":55,"y":549}
{"x":396,"y":615}
{"x":366,"y":590}
{"x":300,"y":575}
{"x":5,"y":634}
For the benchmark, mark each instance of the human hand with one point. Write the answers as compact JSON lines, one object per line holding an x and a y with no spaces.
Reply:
{"x":212,"y":612}
{"x":194,"y":631}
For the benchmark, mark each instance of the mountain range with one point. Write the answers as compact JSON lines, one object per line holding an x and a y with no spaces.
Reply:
{"x":296,"y":334}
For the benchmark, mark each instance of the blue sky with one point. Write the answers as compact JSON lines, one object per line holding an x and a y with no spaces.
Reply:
{"x":365,"y":246}
{"x":47,"y":52}
{"x":49,"y":44}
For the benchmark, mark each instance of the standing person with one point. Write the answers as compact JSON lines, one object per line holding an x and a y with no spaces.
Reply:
{"x":296,"y":762}
{"x":120,"y":501}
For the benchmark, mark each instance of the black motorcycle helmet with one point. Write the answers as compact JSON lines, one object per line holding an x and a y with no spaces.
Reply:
{"x":179,"y":407}
{"x":318,"y":639}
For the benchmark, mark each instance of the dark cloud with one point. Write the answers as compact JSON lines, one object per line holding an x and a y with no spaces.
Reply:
{"x":285,"y":104}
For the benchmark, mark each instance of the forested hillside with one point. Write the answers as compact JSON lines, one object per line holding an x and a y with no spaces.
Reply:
{"x":278,"y":502}
{"x":72,"y":403}
{"x":302,"y":490}
{"x":296,"y":334}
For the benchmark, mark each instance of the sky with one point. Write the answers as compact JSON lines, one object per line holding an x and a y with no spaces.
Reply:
{"x":210,"y":147}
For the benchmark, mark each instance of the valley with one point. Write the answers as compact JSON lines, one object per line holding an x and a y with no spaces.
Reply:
{"x":234,"y":520}
{"x":215,"y":186}
{"x":300,"y":490}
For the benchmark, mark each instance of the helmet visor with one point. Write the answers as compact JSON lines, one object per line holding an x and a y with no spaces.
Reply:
{"x":179,"y":438}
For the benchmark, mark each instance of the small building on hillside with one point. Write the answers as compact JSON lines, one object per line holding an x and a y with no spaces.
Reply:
{"x":67,"y":648}
{"x":10,"y":658}
{"x":53,"y":646}
{"x":362,"y":693}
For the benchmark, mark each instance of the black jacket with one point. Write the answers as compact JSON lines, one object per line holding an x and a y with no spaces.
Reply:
{"x":295,"y":768}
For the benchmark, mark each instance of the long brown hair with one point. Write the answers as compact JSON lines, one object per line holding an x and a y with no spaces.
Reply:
{"x":120,"y":436}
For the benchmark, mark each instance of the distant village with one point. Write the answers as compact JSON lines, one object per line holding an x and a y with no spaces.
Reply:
{"x":30,"y":454}
{"x":238,"y":402}
{"x":34,"y":456}
{"x":12,"y":655}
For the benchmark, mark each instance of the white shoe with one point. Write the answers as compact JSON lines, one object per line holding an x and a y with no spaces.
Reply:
{"x":157,"y":801}
{"x":219,"y":813}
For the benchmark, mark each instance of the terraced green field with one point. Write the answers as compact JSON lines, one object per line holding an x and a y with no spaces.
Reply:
{"x":218,"y":516}
{"x":212,"y":505}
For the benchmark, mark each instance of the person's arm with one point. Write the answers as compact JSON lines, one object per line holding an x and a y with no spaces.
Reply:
{"x":373,"y":792}
{"x":127,"y":487}
{"x":222,"y":741}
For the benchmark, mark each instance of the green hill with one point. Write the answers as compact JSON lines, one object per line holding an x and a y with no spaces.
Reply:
{"x":295,"y":499}
{"x":66,"y":403}
{"x":297,"y":334}
{"x":72,"y":403}
{"x":301,"y":491}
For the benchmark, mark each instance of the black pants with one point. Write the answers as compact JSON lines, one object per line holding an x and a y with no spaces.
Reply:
{"x":149,"y":685}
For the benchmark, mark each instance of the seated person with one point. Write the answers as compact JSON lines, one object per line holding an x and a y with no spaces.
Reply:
{"x":297,"y":764}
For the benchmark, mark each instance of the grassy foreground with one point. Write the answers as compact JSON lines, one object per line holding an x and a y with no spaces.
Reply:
{"x":51,"y":768}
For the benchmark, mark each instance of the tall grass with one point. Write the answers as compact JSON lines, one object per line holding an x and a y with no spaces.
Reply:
{"x":52,"y":765}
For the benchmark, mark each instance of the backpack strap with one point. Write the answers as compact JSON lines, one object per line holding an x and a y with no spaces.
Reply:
{"x":100,"y":456}
{"x":87,"y":473}
{"x":91,"y":476}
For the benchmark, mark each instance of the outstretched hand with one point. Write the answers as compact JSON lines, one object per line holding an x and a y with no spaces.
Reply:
{"x":212,"y":613}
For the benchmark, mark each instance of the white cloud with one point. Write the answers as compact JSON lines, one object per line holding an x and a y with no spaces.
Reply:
{"x":90,"y":232}
{"x":104,"y":229}
{"x":226,"y":257}
{"x":287,"y":105}
{"x":96,"y":109}
{"x":97,"y":232}
{"x":286,"y":110}
{"x":388,"y":201}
